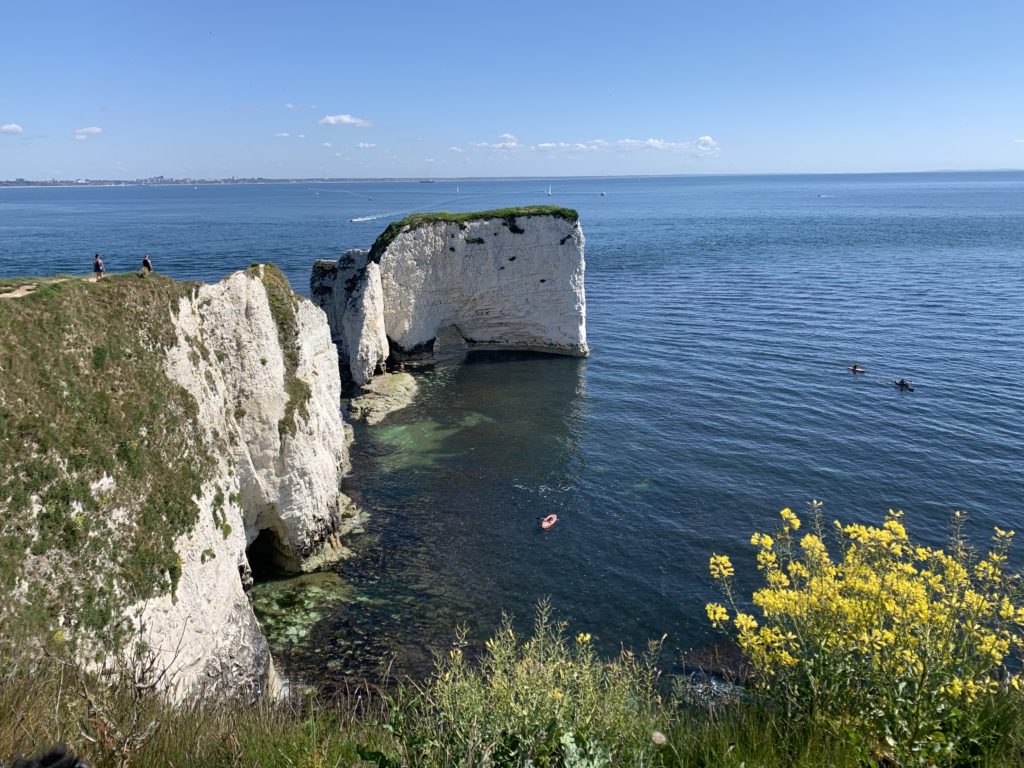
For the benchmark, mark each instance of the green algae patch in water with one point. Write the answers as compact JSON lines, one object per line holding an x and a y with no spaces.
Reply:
{"x":424,"y":443}
{"x":418,"y":445}
{"x":287,"y":609}
{"x":474,"y":419}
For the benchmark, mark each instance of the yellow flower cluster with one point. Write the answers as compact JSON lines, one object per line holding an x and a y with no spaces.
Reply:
{"x":789,"y":519}
{"x":886,"y":610}
{"x":721,"y":567}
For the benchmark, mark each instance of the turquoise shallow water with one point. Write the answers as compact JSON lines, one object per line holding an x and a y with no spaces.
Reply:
{"x":722,"y":313}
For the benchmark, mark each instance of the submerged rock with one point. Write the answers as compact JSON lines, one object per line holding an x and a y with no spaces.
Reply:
{"x":382,"y":396}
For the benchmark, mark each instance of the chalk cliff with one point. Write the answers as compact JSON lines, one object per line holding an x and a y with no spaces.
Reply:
{"x":437,"y":285}
{"x":268,"y":393}
{"x":351,"y":293}
{"x":159,"y":440}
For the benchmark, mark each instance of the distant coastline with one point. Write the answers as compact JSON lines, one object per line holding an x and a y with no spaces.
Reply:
{"x":162,"y":181}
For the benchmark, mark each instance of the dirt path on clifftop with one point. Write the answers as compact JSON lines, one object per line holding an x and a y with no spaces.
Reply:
{"x":27,"y":288}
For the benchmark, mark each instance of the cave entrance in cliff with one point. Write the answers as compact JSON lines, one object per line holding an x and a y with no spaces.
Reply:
{"x":264,"y":556}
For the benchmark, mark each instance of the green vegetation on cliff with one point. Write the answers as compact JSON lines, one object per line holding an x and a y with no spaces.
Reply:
{"x":507,"y":215}
{"x":101,"y":455}
{"x":541,"y":700}
{"x":83,"y":397}
{"x":283,"y":306}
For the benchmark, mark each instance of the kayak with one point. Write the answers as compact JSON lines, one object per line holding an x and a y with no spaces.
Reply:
{"x":851,"y":369}
{"x":548,"y":521}
{"x":903,"y":386}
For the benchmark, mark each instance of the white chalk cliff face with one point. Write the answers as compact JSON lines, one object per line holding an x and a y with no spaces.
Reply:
{"x":278,"y":472}
{"x":350,"y":292}
{"x":445,"y":287}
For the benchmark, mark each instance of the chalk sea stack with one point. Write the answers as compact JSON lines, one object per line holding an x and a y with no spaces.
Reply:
{"x":437,"y":285}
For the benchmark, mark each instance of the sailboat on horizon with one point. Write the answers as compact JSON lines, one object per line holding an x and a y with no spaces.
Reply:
{"x":548,"y":191}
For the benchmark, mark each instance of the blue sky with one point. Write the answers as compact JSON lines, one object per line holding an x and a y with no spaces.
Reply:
{"x":309,"y":88}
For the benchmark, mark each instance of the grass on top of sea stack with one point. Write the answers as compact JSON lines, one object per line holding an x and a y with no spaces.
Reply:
{"x":507,"y":215}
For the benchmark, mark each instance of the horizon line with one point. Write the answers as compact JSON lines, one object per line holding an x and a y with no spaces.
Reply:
{"x":171,"y":180}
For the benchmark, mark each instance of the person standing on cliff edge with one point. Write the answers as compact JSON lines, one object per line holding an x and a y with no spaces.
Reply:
{"x":147,"y":265}
{"x":97,"y":267}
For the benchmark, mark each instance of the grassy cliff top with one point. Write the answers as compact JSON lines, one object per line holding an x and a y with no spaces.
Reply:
{"x":84,"y":396}
{"x":508,"y":215}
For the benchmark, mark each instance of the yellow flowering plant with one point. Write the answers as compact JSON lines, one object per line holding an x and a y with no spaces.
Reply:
{"x":898,"y":648}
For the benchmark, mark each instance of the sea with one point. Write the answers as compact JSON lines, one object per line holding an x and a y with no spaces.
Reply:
{"x":722,"y":315}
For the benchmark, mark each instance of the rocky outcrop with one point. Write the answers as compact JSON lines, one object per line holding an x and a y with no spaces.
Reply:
{"x":260,"y":364}
{"x":438,"y":285}
{"x":351,"y":294}
{"x":382,"y":396}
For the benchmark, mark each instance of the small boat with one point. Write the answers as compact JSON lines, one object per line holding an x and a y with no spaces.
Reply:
{"x":856,"y":369}
{"x":548,"y":191}
{"x":548,"y":522}
{"x":604,"y":194}
{"x":903,"y":384}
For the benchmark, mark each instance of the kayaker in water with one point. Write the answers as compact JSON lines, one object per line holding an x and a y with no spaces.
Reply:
{"x":903,"y":384}
{"x":855,"y":368}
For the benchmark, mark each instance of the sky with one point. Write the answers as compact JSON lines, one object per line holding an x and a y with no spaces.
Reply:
{"x":311,"y":88}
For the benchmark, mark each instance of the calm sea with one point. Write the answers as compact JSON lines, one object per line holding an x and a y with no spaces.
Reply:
{"x":722,"y":313}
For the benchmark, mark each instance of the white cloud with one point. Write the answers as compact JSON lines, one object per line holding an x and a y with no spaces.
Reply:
{"x":430,"y":160}
{"x":289,"y":105}
{"x":1015,"y":141}
{"x":282,"y":135}
{"x":506,"y":142}
{"x":456,"y":149}
{"x":345,"y":120}
{"x":364,"y":145}
{"x":11,"y":129}
{"x":81,"y":134}
{"x":328,"y":144}
{"x":302,"y":136}
{"x":703,"y":146}
{"x":579,"y":146}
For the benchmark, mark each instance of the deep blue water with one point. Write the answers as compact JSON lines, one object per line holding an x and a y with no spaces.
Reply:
{"x":722,"y":313}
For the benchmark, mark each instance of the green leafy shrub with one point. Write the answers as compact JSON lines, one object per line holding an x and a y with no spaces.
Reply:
{"x":543,"y":701}
{"x":896,"y":648}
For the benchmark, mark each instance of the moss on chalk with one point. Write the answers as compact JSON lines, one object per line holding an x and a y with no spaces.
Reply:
{"x":283,"y":307}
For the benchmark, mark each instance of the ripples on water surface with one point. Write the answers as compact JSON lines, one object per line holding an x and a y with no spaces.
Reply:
{"x":722,"y":313}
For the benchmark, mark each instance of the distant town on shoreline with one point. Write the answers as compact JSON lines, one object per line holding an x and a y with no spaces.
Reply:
{"x":170,"y":181}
